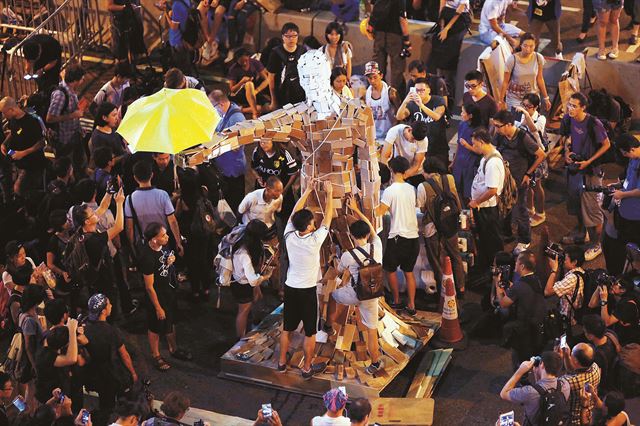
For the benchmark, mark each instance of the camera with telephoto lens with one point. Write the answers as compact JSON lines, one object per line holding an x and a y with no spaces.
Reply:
{"x":554,"y":250}
{"x":574,"y":168}
{"x":607,"y":192}
{"x":113,"y":186}
{"x":603,"y":279}
{"x":536,"y":360}
{"x":504,"y":272}
{"x":405,"y":52}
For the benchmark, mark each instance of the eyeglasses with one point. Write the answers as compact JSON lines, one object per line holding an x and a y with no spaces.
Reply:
{"x":572,"y":106}
{"x":471,"y":85}
{"x":421,"y":90}
{"x":527,"y":106}
{"x":290,"y":35}
{"x":499,"y":126}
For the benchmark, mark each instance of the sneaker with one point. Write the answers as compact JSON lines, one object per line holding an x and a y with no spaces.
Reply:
{"x":537,"y":219}
{"x":520,"y":247}
{"x":559,"y":56}
{"x":315,"y":369}
{"x":396,"y":306}
{"x":283,"y":367}
{"x":373,"y":368}
{"x":230,"y":56}
{"x":613,"y":54}
{"x":410,"y":312}
{"x":633,"y":40}
{"x":601,"y":56}
{"x":592,"y":252}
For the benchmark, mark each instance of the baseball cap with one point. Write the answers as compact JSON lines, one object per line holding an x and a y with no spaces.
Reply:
{"x":334,"y":400}
{"x":371,"y":67}
{"x":96,"y":305}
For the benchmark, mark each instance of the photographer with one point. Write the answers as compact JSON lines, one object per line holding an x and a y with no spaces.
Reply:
{"x":570,"y":289}
{"x":585,"y":140}
{"x":546,"y":369}
{"x":628,"y":198}
{"x":619,"y":308}
{"x":525,"y":298}
{"x":606,"y":348}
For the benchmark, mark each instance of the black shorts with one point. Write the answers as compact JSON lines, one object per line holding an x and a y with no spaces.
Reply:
{"x":164,"y":326}
{"x":242,"y":293}
{"x":402,"y":252}
{"x":300,"y":304}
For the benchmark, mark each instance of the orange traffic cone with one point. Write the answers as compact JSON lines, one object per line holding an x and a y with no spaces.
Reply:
{"x":447,"y":274}
{"x":450,"y":334}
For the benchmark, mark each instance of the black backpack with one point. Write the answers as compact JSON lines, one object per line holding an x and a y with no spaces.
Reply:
{"x":446,"y":208}
{"x":554,"y":407}
{"x":76,"y":260}
{"x":203,"y":222}
{"x":289,"y":78}
{"x":191,"y":33}
{"x":521,"y":133}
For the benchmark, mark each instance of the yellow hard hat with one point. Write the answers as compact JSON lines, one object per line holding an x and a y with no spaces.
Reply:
{"x":364,"y":24}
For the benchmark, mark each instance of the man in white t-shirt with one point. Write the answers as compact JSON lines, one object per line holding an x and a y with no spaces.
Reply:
{"x":492,"y":22}
{"x":303,"y":244}
{"x":367,"y":245}
{"x":263,"y":204}
{"x":402,"y":243}
{"x":487,"y":186}
{"x":410,"y":142}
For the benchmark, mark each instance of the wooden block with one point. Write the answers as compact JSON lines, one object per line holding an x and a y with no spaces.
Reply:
{"x":296,"y":359}
{"x":347,"y":339}
{"x":256,"y":358}
{"x":267,"y":353}
{"x":394,"y":353}
{"x":340,"y":372}
{"x":402,"y":411}
{"x":341,"y":143}
{"x":350,"y":372}
{"x":361,"y":351}
{"x":415,"y":389}
{"x":331,"y":369}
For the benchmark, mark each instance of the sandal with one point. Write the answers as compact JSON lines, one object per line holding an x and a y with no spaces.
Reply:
{"x":160,"y":364}
{"x":182,"y":355}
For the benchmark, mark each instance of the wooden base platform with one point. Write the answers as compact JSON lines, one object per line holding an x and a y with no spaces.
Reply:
{"x":254,"y":359}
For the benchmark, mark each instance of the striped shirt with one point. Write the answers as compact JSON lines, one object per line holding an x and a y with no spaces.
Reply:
{"x":566,"y":287}
{"x":576,"y":382}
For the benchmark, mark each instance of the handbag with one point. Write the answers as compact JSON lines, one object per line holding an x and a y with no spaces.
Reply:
{"x":370,"y":284}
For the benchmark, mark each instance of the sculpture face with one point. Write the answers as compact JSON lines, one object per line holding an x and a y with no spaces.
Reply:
{"x":315,"y":74}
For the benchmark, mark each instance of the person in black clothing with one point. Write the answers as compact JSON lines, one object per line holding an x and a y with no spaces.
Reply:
{"x":619,"y":308}
{"x":6,"y":393}
{"x":51,"y":360}
{"x":157,"y":272}
{"x":44,"y":58}
{"x":164,"y":174}
{"x":24,"y":147}
{"x":55,"y":248}
{"x":126,"y":29}
{"x":97,"y":250}
{"x":58,"y":196}
{"x":453,"y":25}
{"x":284,"y":82}
{"x":105,"y":135}
{"x":110,"y":370}
{"x":606,"y":347}
{"x":525,"y":298}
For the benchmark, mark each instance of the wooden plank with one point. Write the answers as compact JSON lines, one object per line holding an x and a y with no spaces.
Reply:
{"x":402,"y":411}
{"x":416,"y":383}
{"x":347,"y":339}
{"x":394,"y":353}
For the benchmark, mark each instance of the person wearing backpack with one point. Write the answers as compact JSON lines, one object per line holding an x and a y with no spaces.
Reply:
{"x":519,"y":148}
{"x":180,"y":18}
{"x":367,"y":252}
{"x":628,"y":209}
{"x":546,"y":401}
{"x":487,"y":186}
{"x":569,"y":289}
{"x":585,"y":140}
{"x":606,"y":348}
{"x":619,"y":308}
{"x":438,"y":200}
{"x":284,"y":82}
{"x":581,"y":370}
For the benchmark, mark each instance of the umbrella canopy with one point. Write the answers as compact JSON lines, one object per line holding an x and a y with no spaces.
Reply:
{"x":169,"y":121}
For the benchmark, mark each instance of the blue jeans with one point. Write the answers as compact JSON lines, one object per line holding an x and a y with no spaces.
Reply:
{"x":520,"y":215}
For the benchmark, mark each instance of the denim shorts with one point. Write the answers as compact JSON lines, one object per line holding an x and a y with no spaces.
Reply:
{"x":606,"y":5}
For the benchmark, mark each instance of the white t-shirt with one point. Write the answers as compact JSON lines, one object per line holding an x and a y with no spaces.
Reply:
{"x":493,"y":178}
{"x":253,"y":206}
{"x":453,"y":4}
{"x":243,"y":271}
{"x":401,"y":200}
{"x":403,"y":147}
{"x":304,"y":256}
{"x":348,"y":262}
{"x":541,"y":122}
{"x":492,"y":9}
{"x":330,"y":421}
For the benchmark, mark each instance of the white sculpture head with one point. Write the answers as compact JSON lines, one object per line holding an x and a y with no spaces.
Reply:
{"x":314,"y":71}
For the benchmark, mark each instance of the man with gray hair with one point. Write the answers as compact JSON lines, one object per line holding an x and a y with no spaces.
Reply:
{"x":581,"y":370}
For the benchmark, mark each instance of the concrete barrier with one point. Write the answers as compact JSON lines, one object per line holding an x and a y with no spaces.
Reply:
{"x":620,"y":77}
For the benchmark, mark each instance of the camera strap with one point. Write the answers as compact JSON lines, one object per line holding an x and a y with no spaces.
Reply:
{"x":579,"y":276}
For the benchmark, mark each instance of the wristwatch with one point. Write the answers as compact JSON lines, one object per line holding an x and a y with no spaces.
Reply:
{"x":603,"y":303}
{"x":530,"y":175}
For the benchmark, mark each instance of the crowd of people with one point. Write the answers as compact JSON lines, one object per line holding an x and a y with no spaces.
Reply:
{"x":85,"y":219}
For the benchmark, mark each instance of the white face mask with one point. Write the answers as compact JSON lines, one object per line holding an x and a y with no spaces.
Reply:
{"x":542,"y":3}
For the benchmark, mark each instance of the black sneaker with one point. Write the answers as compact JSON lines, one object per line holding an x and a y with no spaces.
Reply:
{"x":410,"y":312}
{"x":315,"y":369}
{"x":373,"y":368}
{"x":283,"y":367}
{"x":396,"y":306}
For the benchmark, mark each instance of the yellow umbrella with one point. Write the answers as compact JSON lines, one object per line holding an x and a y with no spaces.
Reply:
{"x":169,"y":121}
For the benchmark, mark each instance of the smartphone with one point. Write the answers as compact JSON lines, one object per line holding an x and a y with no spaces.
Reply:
{"x":19,"y":403}
{"x":413,"y":90}
{"x":267,"y":411}
{"x":343,"y":390}
{"x":85,"y":417}
{"x":563,"y":341}
{"x":61,"y":398}
{"x":507,"y":419}
{"x":11,"y":152}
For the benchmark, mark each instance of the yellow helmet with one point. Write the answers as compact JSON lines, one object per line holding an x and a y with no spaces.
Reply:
{"x":364,"y":25}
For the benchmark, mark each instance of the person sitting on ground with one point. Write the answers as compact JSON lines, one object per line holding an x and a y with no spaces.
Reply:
{"x":492,"y":22}
{"x":339,"y":83}
{"x":175,"y":79}
{"x":174,"y":406}
{"x":248,"y":81}
{"x":335,"y":402}
{"x":411,"y":143}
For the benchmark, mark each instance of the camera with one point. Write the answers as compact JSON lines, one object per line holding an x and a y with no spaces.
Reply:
{"x":574,"y":168}
{"x":604,"y":280}
{"x":536,"y":361}
{"x":554,"y":250}
{"x":405,"y":52}
{"x":113,"y":186}
{"x":504,"y":271}
{"x":607,"y":192}
{"x":198,"y":423}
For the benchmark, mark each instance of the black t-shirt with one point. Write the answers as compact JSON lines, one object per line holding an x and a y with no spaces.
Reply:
{"x":25,"y":133}
{"x":48,"y":377}
{"x":280,"y":164}
{"x":51,"y":50}
{"x":436,"y":83}
{"x":57,"y":246}
{"x":630,"y":333}
{"x":98,"y":253}
{"x":164,"y":179}
{"x":104,"y":342}
{"x":605,"y":355}
{"x":528,"y":298}
{"x":152,"y":263}
{"x":513,"y":151}
{"x":543,"y":13}
{"x":390,"y":23}
{"x":487,"y":106}
{"x":437,"y":129}
{"x":288,"y":89}
{"x":113,"y":140}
